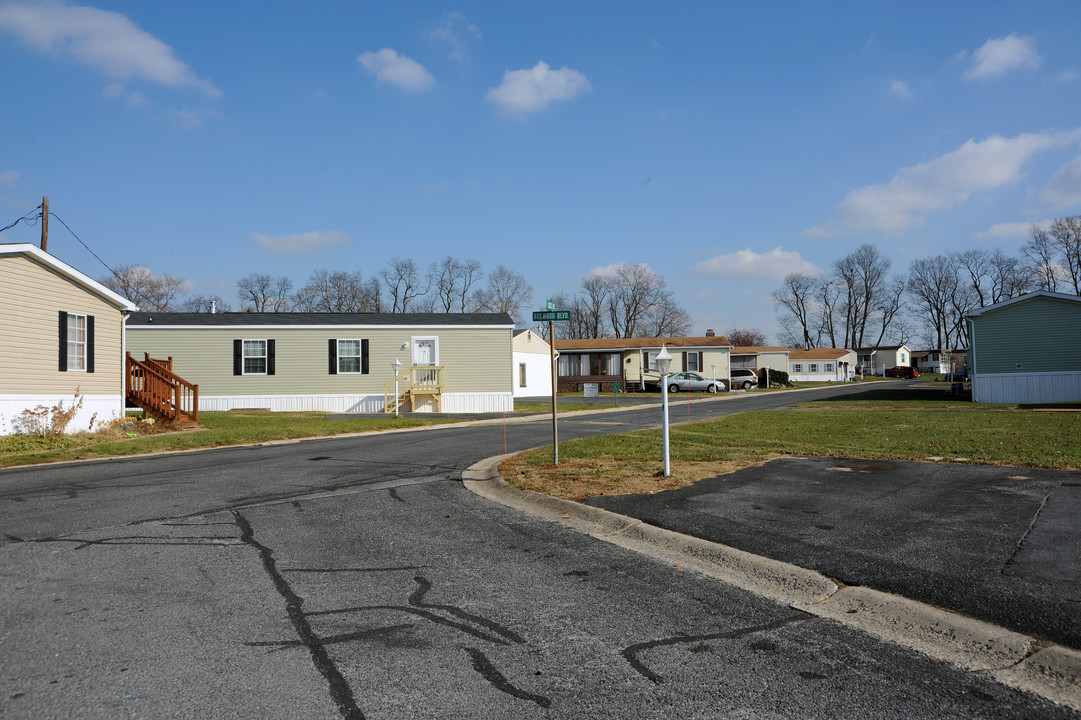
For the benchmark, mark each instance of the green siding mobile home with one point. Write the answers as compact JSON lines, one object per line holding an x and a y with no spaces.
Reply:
{"x":1026,"y":350}
{"x":335,"y":362}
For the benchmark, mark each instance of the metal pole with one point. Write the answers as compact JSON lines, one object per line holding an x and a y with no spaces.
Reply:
{"x":555,"y":388}
{"x":664,"y":409}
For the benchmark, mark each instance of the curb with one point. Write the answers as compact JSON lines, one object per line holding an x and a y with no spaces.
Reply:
{"x":1013,"y":659}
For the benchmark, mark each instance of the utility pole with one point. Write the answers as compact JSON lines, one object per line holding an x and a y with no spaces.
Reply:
{"x":45,"y":224}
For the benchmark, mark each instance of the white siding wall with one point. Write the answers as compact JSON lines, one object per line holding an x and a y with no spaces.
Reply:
{"x":1013,"y":388}
{"x":538,"y":375}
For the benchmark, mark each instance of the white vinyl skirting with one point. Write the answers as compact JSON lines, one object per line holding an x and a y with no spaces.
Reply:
{"x":95,"y":410}
{"x":373,"y":403}
{"x":1025,"y":388}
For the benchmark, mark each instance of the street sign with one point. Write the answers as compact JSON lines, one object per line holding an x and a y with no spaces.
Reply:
{"x":551,"y":304}
{"x":551,"y":315}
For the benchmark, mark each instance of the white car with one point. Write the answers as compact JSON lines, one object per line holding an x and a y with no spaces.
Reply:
{"x":744,"y":378}
{"x":686,"y":381}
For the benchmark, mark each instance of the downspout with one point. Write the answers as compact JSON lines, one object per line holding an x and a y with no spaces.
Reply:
{"x":124,"y":362}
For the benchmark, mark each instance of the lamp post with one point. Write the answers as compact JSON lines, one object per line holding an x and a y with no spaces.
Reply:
{"x":394,"y":366}
{"x":664,"y":364}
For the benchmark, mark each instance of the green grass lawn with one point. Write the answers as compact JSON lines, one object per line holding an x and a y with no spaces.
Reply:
{"x":238,"y":427}
{"x":882,"y":423}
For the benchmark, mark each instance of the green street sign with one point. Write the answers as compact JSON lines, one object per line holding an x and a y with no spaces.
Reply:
{"x":551,"y":304}
{"x":551,"y":316}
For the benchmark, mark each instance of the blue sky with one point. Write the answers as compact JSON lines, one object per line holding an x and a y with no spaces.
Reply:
{"x":723,"y":144}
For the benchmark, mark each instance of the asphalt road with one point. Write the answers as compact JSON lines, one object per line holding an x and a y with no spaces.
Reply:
{"x":357,"y":578}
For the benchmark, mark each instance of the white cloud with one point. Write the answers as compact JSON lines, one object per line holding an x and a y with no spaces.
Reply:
{"x":773,"y":265}
{"x":117,"y":90}
{"x":999,"y":56}
{"x":1063,"y":190}
{"x":107,"y":41}
{"x":900,"y":89}
{"x":454,"y":30}
{"x":1010,"y":231}
{"x":390,"y":67}
{"x":302,"y":244}
{"x":940,"y":184}
{"x":525,"y":91}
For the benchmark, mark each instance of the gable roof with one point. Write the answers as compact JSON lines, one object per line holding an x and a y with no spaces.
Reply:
{"x":881,"y":347}
{"x":613,"y":344}
{"x":286,"y":319}
{"x":1024,"y":298}
{"x":755,"y":349}
{"x":67,"y":271}
{"x":819,"y":354}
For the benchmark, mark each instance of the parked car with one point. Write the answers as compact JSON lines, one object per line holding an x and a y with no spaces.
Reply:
{"x":902,"y":372}
{"x":688,"y":381}
{"x":744,"y":378}
{"x":959,"y":376}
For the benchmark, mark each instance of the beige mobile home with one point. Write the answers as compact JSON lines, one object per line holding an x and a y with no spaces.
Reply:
{"x":61,"y":333}
{"x":632,"y":362}
{"x":822,"y":365}
{"x":338,"y":362}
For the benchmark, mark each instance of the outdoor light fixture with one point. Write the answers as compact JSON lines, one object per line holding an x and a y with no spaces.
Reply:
{"x":664,"y":364}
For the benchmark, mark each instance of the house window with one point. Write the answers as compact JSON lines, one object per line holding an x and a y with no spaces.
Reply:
{"x":694,"y":362}
{"x":76,"y":342}
{"x":568,"y":365}
{"x":255,"y":357}
{"x":651,"y":360}
{"x":812,"y":367}
{"x":903,"y":361}
{"x":521,"y":375}
{"x":829,"y":367}
{"x":349,"y":356}
{"x":797,"y":367}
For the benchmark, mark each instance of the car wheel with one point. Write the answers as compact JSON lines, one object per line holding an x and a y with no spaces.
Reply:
{"x":746,"y":384}
{"x":711,"y":389}
{"x":673,"y":388}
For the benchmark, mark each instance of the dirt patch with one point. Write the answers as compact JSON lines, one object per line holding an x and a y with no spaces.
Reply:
{"x":580,"y":478}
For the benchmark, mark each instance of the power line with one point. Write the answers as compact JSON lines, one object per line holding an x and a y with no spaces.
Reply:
{"x":29,"y":218}
{"x":83,"y":244}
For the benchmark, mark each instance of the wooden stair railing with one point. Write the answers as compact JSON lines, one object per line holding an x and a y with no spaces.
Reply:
{"x":153,"y":386}
{"x":413,"y":383}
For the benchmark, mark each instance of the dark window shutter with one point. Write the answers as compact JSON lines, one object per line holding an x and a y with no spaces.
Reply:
{"x":269,"y":357}
{"x":333,"y":357}
{"x":238,"y":357}
{"x":90,"y":343}
{"x":363,"y":357}
{"x":63,"y":365}
{"x":685,"y":362}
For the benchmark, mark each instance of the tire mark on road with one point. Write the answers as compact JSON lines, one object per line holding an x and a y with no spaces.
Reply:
{"x":484,"y":666}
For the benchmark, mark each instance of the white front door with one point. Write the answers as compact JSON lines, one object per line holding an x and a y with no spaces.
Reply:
{"x":423,"y":351}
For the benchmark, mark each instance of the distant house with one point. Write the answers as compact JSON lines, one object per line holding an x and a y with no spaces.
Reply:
{"x":1026,"y":350}
{"x":532,"y":365}
{"x":938,"y":361}
{"x":340,"y":362}
{"x":874,"y":360}
{"x":61,"y":333}
{"x":632,"y":362}
{"x":755,"y":358}
{"x":822,"y":365}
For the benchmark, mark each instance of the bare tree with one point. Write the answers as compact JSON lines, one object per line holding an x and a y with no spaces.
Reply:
{"x":404,"y":284}
{"x":1009,"y":279}
{"x":666,"y":319}
{"x":827,"y":296}
{"x":935,"y":284}
{"x":633,"y":292}
{"x":1040,"y":253}
{"x":263,"y":293}
{"x":1066,"y":240}
{"x":889,"y":304}
{"x":746,"y":337}
{"x":152,"y":293}
{"x":591,"y":306}
{"x":338,"y":292}
{"x":507,"y":291}
{"x":204,"y":304}
{"x":862,"y":273}
{"x":453,"y":280}
{"x":795,"y":298}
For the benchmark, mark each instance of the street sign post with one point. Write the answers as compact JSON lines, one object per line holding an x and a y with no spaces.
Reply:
{"x":552,"y":316}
